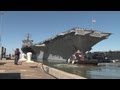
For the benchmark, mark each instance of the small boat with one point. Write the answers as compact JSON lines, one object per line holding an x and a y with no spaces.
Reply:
{"x":92,"y":61}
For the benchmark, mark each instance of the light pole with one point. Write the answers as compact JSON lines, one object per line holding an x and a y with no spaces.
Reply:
{"x":1,"y":18}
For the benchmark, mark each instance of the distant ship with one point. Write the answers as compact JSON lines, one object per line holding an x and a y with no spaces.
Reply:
{"x":27,"y":44}
{"x":63,"y":45}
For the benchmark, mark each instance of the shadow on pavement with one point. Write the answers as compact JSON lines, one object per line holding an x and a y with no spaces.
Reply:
{"x":2,"y":63}
{"x":10,"y":76}
{"x":33,"y":66}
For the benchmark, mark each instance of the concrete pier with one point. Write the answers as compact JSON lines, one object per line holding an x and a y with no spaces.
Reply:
{"x":32,"y":71}
{"x":25,"y":71}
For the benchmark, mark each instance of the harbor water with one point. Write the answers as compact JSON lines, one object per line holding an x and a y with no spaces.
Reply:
{"x":105,"y":71}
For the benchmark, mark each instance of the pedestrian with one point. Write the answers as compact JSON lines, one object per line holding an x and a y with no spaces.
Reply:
{"x":17,"y":56}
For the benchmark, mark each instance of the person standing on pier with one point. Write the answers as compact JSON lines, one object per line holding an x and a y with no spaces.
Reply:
{"x":17,"y":56}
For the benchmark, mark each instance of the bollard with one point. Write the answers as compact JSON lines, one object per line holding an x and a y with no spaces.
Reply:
{"x":29,"y":56}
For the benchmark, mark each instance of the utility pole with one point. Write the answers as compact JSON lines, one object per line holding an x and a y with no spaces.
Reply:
{"x":1,"y":24}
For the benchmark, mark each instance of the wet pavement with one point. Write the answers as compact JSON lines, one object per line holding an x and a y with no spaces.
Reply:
{"x":8,"y":70}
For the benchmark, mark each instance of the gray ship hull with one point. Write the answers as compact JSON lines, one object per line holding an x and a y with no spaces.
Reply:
{"x":63,"y":45}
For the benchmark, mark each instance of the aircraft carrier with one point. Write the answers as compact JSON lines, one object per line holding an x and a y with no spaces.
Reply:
{"x":63,"y":45}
